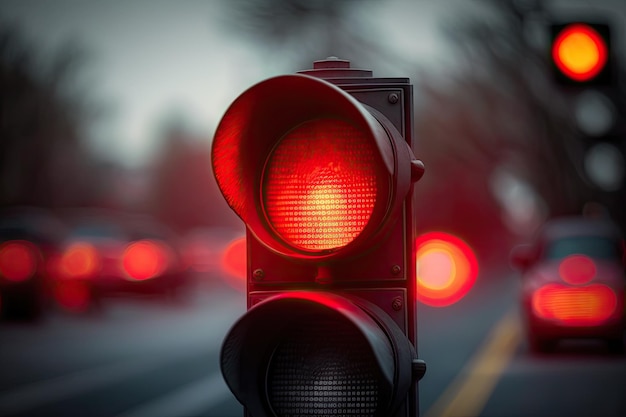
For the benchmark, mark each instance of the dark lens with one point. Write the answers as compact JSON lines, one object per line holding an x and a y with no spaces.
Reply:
{"x":324,"y":368}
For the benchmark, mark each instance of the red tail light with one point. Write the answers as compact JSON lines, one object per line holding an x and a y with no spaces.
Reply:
{"x":577,"y":269}
{"x":321,"y":185}
{"x":446,"y":269}
{"x":575,"y":306}
{"x":145,"y":259}
{"x":18,"y":260}
{"x":80,"y":260}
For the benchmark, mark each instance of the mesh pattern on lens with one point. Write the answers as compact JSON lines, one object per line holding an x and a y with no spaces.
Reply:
{"x":323,"y":369}
{"x":320,"y":185}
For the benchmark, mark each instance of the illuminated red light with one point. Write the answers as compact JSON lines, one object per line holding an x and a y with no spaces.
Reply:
{"x":577,"y":269}
{"x":320,"y":185}
{"x":580,"y":52}
{"x":80,"y":260}
{"x":446,"y":269}
{"x":575,"y":306}
{"x":18,"y":260}
{"x":144,"y":259}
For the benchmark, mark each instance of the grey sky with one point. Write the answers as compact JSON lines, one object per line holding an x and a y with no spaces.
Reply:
{"x":151,"y":57}
{"x":154,"y":56}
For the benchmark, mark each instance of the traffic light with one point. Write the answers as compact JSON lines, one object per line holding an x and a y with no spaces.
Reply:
{"x":319,"y":166}
{"x":586,"y":71}
{"x":446,"y":268}
{"x":581,"y":53}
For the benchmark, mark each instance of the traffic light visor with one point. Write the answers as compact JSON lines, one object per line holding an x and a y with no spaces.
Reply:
{"x":579,"y":52}
{"x":315,"y":353}
{"x":306,"y":166}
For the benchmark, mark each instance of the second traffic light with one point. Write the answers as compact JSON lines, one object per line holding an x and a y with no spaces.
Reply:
{"x":581,"y":53}
{"x":320,"y":168}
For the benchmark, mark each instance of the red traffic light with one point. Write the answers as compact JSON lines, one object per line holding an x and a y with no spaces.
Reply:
{"x":311,"y":172}
{"x":580,"y":51}
{"x":446,"y":268}
{"x":321,"y":185}
{"x":322,"y":178}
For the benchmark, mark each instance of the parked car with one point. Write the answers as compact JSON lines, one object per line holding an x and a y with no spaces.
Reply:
{"x":573,"y":283}
{"x":30,"y":239}
{"x":122,"y":254}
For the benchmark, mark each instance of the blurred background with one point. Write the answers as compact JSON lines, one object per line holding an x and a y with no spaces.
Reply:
{"x":114,"y":105}
{"x":108,"y":111}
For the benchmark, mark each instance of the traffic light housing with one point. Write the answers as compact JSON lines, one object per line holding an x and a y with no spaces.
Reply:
{"x":586,"y":71}
{"x":319,"y":166}
{"x":581,"y":53}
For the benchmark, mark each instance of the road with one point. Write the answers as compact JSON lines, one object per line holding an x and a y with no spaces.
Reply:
{"x":141,"y":358}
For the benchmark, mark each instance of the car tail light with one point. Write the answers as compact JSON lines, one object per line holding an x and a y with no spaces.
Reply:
{"x":18,"y":260}
{"x":80,"y":260}
{"x":575,"y":306}
{"x":577,"y":269}
{"x":145,"y":259}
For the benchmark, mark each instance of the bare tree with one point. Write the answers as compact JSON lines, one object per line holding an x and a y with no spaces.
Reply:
{"x":184,"y":193}
{"x":42,"y":158}
{"x":500,"y":107}
{"x":305,"y":30}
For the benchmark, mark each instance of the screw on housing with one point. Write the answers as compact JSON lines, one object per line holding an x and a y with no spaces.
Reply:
{"x":258,"y":274}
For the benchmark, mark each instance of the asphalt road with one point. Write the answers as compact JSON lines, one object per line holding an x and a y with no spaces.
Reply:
{"x":148,"y":358}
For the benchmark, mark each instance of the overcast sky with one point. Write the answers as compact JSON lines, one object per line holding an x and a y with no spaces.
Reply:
{"x":147,"y":58}
{"x":153,"y":57}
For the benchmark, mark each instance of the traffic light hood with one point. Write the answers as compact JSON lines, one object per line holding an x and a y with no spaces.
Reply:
{"x":262,"y":117}
{"x":328,"y":343}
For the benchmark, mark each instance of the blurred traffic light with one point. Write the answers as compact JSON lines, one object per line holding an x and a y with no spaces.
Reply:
{"x":581,"y":53}
{"x":446,"y":268}
{"x":319,"y":166}
{"x":585,"y":68}
{"x":233,"y":263}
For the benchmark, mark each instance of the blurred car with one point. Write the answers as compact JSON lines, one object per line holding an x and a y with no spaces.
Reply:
{"x":116,"y":254}
{"x":30,"y":240}
{"x":573,"y":283}
{"x":152,"y":260}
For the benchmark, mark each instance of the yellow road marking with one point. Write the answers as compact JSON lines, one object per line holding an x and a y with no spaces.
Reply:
{"x":468,"y":393}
